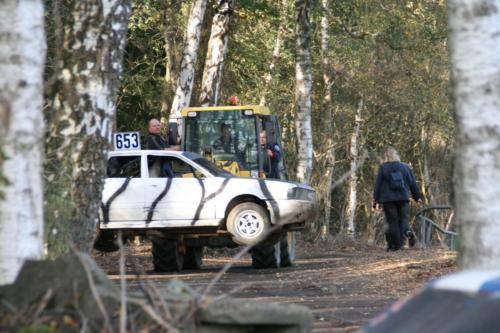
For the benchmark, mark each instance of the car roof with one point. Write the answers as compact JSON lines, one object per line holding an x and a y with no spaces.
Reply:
{"x":187,"y":154}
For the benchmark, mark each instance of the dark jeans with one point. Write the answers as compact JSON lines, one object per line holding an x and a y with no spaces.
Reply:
{"x":397,"y":216}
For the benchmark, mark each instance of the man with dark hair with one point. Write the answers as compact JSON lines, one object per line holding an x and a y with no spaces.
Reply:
{"x":272,"y":156}
{"x":225,"y":142}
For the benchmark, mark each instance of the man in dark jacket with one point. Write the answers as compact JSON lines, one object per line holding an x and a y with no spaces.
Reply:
{"x":395,"y":182}
{"x":273,"y":156}
{"x":154,"y":140}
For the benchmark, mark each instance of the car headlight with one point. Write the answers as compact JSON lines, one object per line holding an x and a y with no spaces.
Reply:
{"x":299,"y":193}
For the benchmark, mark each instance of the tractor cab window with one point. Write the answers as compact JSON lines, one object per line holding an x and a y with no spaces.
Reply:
{"x":124,"y":167}
{"x":227,"y":138}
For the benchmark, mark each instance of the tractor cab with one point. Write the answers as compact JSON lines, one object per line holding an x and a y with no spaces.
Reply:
{"x":230,"y":137}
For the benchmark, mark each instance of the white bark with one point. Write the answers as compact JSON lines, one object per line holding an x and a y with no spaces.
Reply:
{"x":303,"y":88}
{"x":186,"y":76}
{"x":84,"y":110}
{"x":216,"y":53}
{"x":327,"y":108}
{"x":22,"y":55}
{"x":353,"y":180}
{"x":276,"y":52}
{"x":474,"y":27}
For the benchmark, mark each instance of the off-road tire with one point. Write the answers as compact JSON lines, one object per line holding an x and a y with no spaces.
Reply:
{"x":106,"y":241}
{"x":193,"y":259}
{"x":248,"y":223}
{"x":266,"y":256}
{"x":166,"y":256}
{"x":287,"y":249}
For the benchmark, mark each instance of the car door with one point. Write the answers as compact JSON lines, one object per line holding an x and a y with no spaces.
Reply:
{"x":123,"y":193}
{"x":177,"y":193}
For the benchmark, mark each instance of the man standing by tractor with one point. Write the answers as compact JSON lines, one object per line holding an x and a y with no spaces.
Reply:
{"x":272,"y":158}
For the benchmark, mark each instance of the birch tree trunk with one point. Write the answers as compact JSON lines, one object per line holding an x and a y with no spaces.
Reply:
{"x":353,"y":180}
{"x":303,"y":88}
{"x":170,"y":24}
{"x":326,"y":66}
{"x":22,"y":56}
{"x":474,"y":27}
{"x":216,"y":53}
{"x":276,"y":52}
{"x":81,"y":119}
{"x":186,"y":75}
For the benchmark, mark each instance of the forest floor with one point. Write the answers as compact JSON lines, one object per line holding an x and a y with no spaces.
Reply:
{"x":345,"y":284}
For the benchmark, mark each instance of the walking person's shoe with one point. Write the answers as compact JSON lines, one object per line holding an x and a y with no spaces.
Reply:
{"x":411,"y":238}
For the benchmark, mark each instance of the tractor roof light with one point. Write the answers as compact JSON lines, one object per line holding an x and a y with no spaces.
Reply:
{"x":192,"y":114}
{"x":248,"y":112}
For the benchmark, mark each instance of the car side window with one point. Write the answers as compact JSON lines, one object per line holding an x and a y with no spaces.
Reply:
{"x":124,"y":167}
{"x":170,"y":167}
{"x":183,"y":169}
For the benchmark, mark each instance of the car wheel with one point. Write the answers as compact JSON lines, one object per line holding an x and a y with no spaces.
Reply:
{"x":287,"y":249}
{"x":193,"y":259}
{"x":248,"y":223}
{"x":166,"y":256}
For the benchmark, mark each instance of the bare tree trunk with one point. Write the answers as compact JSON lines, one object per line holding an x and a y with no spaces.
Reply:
{"x":474,"y":27}
{"x":326,"y":66}
{"x":170,"y":24}
{"x":303,"y":75}
{"x":22,"y":56}
{"x":353,"y":180}
{"x":216,"y":53}
{"x":276,"y":52}
{"x":81,"y":119}
{"x":425,"y":174}
{"x":186,"y":75}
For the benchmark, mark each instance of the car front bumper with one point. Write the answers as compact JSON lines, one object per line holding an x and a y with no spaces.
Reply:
{"x":290,"y":211}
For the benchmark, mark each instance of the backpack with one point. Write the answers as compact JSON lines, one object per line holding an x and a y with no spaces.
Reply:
{"x":396,"y":181}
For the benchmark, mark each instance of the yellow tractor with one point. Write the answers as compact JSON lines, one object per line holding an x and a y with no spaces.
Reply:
{"x":229,"y":136}
{"x":237,"y":138}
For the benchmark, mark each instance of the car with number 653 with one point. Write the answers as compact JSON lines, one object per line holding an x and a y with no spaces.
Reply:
{"x":183,"y":203}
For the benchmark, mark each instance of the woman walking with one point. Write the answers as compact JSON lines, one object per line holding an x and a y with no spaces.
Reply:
{"x":394,"y":183}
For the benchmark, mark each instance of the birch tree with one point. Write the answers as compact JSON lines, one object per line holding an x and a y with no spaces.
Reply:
{"x":216,"y":53}
{"x":352,"y":199}
{"x":189,"y":55}
{"x":22,"y":55}
{"x":170,"y":27}
{"x":81,"y":118}
{"x":303,"y":88}
{"x":278,"y":42}
{"x":327,"y":106}
{"x":474,"y":40}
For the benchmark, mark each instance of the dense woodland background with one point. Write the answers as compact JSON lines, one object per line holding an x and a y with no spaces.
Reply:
{"x":390,"y":57}
{"x":345,"y":77}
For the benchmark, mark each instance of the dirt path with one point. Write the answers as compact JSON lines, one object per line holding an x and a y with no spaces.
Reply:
{"x":343,"y":286}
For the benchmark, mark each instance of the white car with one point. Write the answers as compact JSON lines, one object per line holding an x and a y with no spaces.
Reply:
{"x":186,"y":202}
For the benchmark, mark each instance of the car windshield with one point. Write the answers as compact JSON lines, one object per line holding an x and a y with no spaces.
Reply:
{"x":212,"y":168}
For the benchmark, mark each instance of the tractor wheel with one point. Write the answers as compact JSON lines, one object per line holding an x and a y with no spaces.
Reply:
{"x":287,"y":249}
{"x":248,"y":223}
{"x":106,"y":241}
{"x":166,"y":256}
{"x":193,"y":259}
{"x":266,"y":256}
